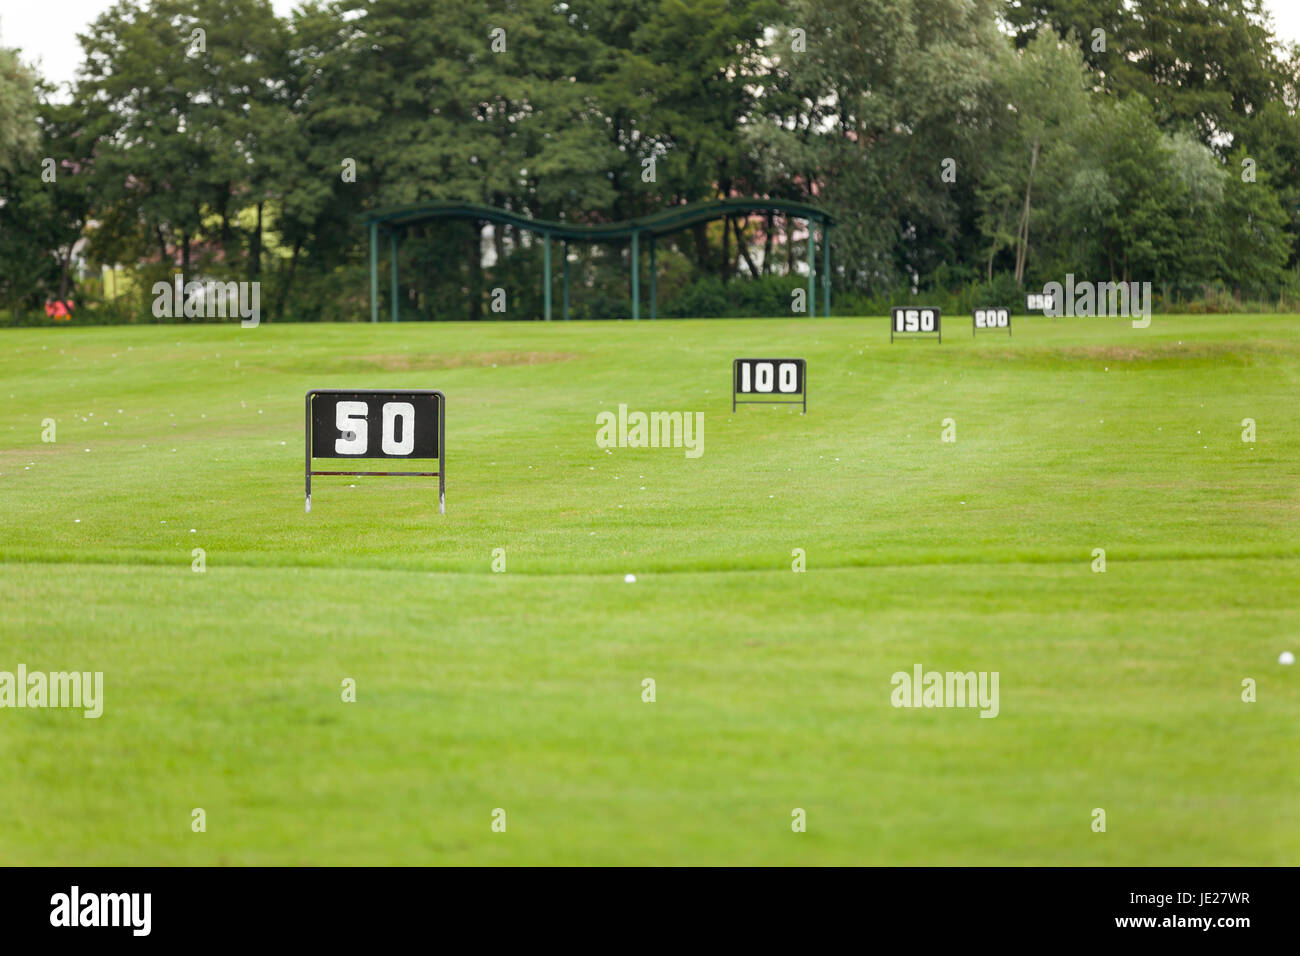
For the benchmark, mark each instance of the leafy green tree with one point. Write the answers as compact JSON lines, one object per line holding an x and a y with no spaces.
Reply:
{"x":177,"y":115}
{"x":1273,"y":142}
{"x":1044,"y":87}
{"x":1210,"y":64}
{"x":21,"y":248}
{"x":18,"y":132}
{"x":1255,"y":242}
{"x":864,"y":119}
{"x":1196,"y":257}
{"x":678,"y":80}
{"x":1136,"y":201}
{"x":318,"y":166}
{"x":45,"y":204}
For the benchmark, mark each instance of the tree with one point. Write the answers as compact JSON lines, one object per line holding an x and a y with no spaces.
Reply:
{"x":1044,"y":87}
{"x":1254,"y":239}
{"x":44,"y":205}
{"x":864,"y":119}
{"x":18,"y":132}
{"x":1273,"y":143}
{"x":1213,"y":64}
{"x":1197,"y":256}
{"x":176,"y":115}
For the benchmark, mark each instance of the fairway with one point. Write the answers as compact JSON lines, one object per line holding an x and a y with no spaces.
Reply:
{"x":523,"y":690}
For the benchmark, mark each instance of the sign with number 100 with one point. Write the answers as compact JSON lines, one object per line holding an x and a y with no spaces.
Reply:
{"x":764,"y":377}
{"x":779,"y":378}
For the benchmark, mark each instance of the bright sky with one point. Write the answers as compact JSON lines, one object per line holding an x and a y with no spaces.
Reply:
{"x":46,"y":32}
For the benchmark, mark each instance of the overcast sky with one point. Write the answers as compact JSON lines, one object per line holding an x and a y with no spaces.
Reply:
{"x":46,"y":30}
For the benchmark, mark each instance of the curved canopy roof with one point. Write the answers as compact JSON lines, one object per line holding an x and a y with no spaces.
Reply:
{"x":672,"y":219}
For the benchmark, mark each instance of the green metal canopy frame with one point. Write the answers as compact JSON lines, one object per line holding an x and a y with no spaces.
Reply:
{"x":394,"y":219}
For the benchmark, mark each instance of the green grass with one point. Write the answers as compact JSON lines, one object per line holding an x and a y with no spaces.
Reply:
{"x":522,"y":690}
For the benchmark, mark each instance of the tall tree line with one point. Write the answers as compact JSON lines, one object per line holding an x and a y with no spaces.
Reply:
{"x":983,"y":142}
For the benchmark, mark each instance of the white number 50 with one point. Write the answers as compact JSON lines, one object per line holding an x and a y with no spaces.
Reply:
{"x":350,"y":419}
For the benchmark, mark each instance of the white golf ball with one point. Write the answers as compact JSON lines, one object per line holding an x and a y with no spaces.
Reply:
{"x":631,"y":579}
{"x":1286,"y":657}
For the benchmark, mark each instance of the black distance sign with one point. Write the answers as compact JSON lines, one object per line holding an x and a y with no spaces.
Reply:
{"x":992,"y":318}
{"x":377,"y":424}
{"x":768,"y":376}
{"x":908,"y":319}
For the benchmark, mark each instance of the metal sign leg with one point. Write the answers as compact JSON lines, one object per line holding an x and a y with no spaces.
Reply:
{"x":307,"y":470}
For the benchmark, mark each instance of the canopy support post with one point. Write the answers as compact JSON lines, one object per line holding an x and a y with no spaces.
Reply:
{"x":826,"y":268}
{"x":812,"y":269}
{"x":393,"y":265}
{"x":654,"y":312}
{"x":374,"y":272}
{"x":636,"y":276}
{"x":546,"y":267}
